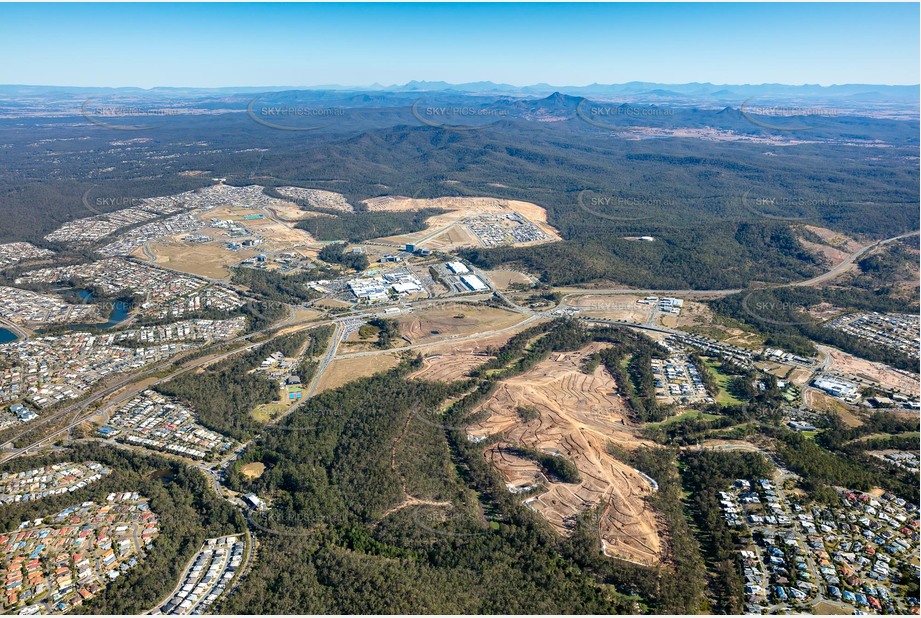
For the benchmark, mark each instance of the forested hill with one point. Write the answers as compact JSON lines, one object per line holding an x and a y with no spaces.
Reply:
{"x":697,"y":195}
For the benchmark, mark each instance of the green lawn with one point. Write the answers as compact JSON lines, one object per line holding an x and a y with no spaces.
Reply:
{"x":685,"y":415}
{"x":724,"y":397}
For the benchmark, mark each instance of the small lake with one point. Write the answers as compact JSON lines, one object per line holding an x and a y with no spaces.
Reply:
{"x":6,"y":335}
{"x":118,"y":312}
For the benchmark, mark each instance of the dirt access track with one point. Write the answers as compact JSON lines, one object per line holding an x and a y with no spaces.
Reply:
{"x":454,"y":361}
{"x":578,"y":414}
{"x":445,"y":232}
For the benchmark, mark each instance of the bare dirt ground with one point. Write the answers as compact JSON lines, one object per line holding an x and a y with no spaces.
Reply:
{"x":799,"y":377}
{"x":318,"y":198}
{"x":819,"y":401}
{"x":502,"y":279}
{"x":779,"y":370}
{"x":213,"y":259}
{"x":253,"y":470}
{"x":344,"y":370}
{"x":448,"y":362}
{"x":578,"y":415}
{"x":867,"y":371}
{"x":831,"y":256}
{"x":291,"y":213}
{"x":451,"y":238}
{"x":699,"y":319}
{"x":451,"y":321}
{"x":835,"y":239}
{"x":459,"y":208}
{"x":614,"y":307}
{"x":306,"y":315}
{"x":301,"y":317}
{"x":332,"y":303}
{"x":278,"y":235}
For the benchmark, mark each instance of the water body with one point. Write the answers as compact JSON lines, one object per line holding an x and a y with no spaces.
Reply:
{"x":6,"y":336}
{"x":117,"y":314}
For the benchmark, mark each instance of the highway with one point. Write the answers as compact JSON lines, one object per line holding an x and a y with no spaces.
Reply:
{"x":79,"y":409}
{"x":832,"y":273}
{"x":129,"y":385}
{"x":850,"y":259}
{"x":328,"y":357}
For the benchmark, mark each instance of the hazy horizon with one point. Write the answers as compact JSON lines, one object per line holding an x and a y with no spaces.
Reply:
{"x":223,"y":45}
{"x":379,"y":86}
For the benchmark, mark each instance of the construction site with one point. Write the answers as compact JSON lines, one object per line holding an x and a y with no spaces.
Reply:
{"x":573,"y":415}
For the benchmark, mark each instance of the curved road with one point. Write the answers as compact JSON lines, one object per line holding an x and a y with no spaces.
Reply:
{"x":14,"y":328}
{"x":840,"y":268}
{"x":834,"y":272}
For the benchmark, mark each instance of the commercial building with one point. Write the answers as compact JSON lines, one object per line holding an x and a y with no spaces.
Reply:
{"x":474,"y":283}
{"x":836,"y":388}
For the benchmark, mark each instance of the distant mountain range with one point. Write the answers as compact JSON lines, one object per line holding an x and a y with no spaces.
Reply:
{"x":654,"y":90}
{"x":541,"y":102}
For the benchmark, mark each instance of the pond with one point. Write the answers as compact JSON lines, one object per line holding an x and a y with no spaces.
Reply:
{"x":118,"y":310}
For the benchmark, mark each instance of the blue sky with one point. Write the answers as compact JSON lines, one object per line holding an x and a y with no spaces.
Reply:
{"x":210,"y":45}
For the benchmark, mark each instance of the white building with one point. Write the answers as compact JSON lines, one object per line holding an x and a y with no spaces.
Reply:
{"x":836,"y":388}
{"x":474,"y":283}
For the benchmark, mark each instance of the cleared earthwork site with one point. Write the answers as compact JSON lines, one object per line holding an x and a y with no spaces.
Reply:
{"x":859,"y":369}
{"x":453,"y":361}
{"x":574,"y":414}
{"x":344,"y":370}
{"x":453,"y":320}
{"x":446,"y":232}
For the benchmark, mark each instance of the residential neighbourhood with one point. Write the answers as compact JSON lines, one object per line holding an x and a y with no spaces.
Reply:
{"x":893,"y":330}
{"x":58,"y":562}
{"x":50,"y":480}
{"x":160,"y":423}
{"x":89,"y":229}
{"x":26,"y":307}
{"x":185,"y":330}
{"x":46,"y":370}
{"x":677,"y":380}
{"x":852,"y":555}
{"x":210,"y":574}
{"x":163,"y":293}
{"x":12,"y":253}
